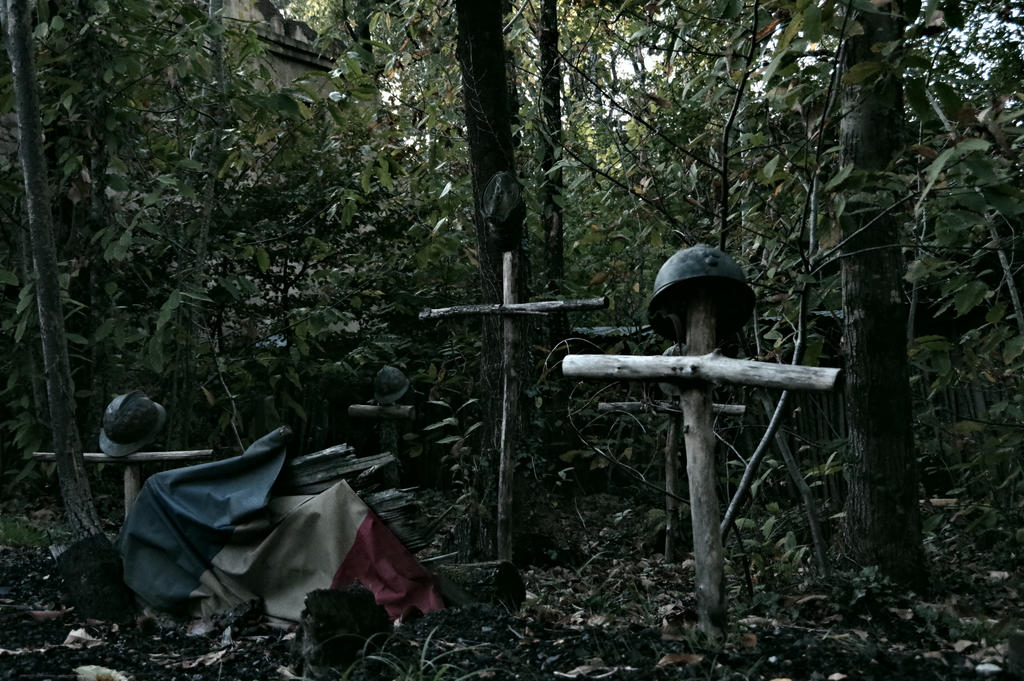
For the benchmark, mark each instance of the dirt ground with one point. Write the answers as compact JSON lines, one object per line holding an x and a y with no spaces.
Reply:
{"x":600,"y":605}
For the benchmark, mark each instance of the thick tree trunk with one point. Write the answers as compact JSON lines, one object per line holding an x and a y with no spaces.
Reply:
{"x":482,"y":61}
{"x":882,"y":525}
{"x":552,"y":185}
{"x":74,"y":484}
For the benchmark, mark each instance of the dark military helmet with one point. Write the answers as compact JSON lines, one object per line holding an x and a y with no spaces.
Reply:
{"x":130,"y":422}
{"x":699,"y":266}
{"x":389,"y":385}
{"x":503,"y":208}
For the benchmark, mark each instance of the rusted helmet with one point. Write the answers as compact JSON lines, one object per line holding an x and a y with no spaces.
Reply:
{"x":130,"y":422}
{"x":678,"y":279}
{"x":389,"y":385}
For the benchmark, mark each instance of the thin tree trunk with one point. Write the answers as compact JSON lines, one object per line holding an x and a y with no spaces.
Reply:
{"x":882,"y":523}
{"x":482,"y":61}
{"x":552,"y":183}
{"x":74,"y":485}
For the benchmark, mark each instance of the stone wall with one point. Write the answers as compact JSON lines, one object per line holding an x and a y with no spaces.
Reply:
{"x":291,"y":45}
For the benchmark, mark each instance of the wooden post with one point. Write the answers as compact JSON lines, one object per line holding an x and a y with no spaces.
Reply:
{"x":509,"y":412}
{"x":132,"y":485}
{"x":699,"y":436}
{"x":671,"y":486}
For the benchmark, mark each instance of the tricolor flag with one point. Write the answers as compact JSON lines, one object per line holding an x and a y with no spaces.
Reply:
{"x":202,"y":539}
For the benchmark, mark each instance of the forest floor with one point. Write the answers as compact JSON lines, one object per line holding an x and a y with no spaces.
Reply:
{"x":602,"y":605}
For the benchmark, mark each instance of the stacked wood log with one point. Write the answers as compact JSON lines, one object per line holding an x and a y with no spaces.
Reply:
{"x":372,"y":478}
{"x":497,"y":582}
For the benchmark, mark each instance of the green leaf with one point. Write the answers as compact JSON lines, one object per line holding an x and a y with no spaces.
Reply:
{"x":284,"y":105}
{"x":8,"y":277}
{"x":917,"y":97}
{"x":117,"y":183}
{"x":450,"y":421}
{"x":862,"y":71}
{"x":262,"y":259}
{"x":969,"y":297}
{"x":839,"y":177}
{"x":1013,"y":349}
{"x":783,"y":46}
{"x":167,"y":309}
{"x":966,"y":146}
{"x":812,"y":23}
{"x":950,"y":99}
{"x":103,"y":330}
{"x":156,"y":354}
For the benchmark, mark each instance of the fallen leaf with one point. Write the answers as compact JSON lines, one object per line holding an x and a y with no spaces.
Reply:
{"x":588,"y":671}
{"x":748,"y":640}
{"x":91,"y":672}
{"x":79,"y":638}
{"x":838,"y":676}
{"x":903,"y":613}
{"x":962,"y":645}
{"x":998,"y":575}
{"x":205,"y":660}
{"x":679,"y":658}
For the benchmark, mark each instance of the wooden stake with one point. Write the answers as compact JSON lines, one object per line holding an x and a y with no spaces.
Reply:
{"x":699,"y":437}
{"x":509,"y":412}
{"x":672,"y":486}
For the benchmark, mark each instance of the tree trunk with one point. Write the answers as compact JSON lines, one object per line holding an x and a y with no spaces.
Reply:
{"x":882,"y":525}
{"x":552,"y":185}
{"x":83,"y":520}
{"x":482,"y":61}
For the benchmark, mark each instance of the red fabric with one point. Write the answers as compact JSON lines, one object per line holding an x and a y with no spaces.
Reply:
{"x":383,"y":565}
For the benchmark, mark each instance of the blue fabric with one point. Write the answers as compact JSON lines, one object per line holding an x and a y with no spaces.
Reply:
{"x":183,"y":517}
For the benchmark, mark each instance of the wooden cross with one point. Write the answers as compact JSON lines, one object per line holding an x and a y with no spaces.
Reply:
{"x":695,"y":375}
{"x":508,"y":309}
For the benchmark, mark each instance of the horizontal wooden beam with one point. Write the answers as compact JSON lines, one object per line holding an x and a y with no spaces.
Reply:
{"x":664,"y":407}
{"x":133,"y":466}
{"x":404,"y":412}
{"x":137,"y":457}
{"x":537,"y":308}
{"x":711,"y":368}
